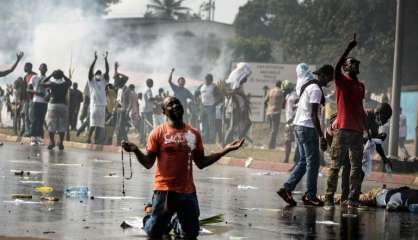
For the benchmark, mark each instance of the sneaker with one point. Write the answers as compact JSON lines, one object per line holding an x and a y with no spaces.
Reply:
{"x":51,"y":146}
{"x":61,"y":147}
{"x":316,"y":202}
{"x":286,"y":196}
{"x":33,"y":142}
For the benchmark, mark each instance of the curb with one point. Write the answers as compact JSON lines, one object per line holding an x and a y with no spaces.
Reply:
{"x":235,"y":162}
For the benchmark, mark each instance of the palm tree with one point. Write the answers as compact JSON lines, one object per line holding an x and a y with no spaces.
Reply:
{"x":170,"y":9}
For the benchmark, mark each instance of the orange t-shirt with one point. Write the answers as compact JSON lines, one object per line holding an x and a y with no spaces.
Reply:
{"x":175,"y":149}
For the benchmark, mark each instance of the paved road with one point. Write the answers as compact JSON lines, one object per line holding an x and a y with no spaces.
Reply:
{"x":249,"y":214}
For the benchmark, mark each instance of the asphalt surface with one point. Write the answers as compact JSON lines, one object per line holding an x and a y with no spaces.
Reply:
{"x":246,"y":197}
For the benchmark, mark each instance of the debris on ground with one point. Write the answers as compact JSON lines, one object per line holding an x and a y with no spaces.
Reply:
{"x":77,"y":192}
{"x":48,"y":232}
{"x":44,"y":189}
{"x":21,"y":196}
{"x":332,"y":223}
{"x":245,"y":187}
{"x":266,"y":174}
{"x":49,"y":199}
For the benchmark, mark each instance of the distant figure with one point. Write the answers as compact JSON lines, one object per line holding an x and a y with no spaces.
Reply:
{"x":111,"y":111}
{"x":75,"y":100}
{"x":148,"y":102}
{"x":182,"y":93}
{"x":133,"y":108}
{"x":368,"y":102}
{"x":40,"y":106}
{"x":274,"y":104}
{"x":159,"y":117}
{"x":122,"y":101}
{"x":97,"y":87}
{"x":57,"y":113}
{"x":289,"y":134}
{"x":209,"y":94}
{"x":402,"y":136}
{"x":27,"y":103}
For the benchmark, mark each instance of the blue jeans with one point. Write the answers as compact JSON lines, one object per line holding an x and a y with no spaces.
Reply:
{"x":308,"y":147}
{"x":172,"y":210}
{"x":208,"y":122}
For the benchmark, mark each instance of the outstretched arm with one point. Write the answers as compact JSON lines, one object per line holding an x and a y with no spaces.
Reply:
{"x":340,"y":62}
{"x":106,"y":75}
{"x":205,"y":161}
{"x":317,"y":125}
{"x":91,"y":70}
{"x":19,"y":56}
{"x":147,"y":160}
{"x":170,"y":80}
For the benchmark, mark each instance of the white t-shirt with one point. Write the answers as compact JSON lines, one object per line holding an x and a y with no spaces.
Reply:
{"x":147,"y":101}
{"x":312,"y":94}
{"x":97,"y":92}
{"x":208,"y":94}
{"x":35,"y":83}
{"x":291,"y":99}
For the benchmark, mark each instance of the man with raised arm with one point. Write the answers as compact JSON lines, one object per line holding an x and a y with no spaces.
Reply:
{"x":174,"y":145}
{"x":181,"y":93}
{"x":97,"y":86}
{"x":350,"y":124}
{"x":19,"y":57}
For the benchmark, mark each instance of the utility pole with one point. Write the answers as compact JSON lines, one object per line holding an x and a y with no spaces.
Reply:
{"x":396,"y":82}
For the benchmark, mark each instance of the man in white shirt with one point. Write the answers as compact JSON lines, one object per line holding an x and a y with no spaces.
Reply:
{"x":97,"y":87}
{"x":148,"y":108}
{"x":309,"y":134}
{"x":208,"y":94}
{"x":39,"y":106}
{"x":402,"y":135}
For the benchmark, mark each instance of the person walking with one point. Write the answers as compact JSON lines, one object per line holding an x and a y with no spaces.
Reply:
{"x":309,"y":135}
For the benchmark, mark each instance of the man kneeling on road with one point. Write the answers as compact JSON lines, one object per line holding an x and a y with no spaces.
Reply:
{"x":175,"y":145}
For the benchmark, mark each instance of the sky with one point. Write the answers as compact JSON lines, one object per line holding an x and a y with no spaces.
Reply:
{"x":225,"y":9}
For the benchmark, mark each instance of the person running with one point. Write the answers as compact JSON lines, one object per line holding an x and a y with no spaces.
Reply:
{"x":57,"y":113}
{"x":174,"y":145}
{"x":40,"y":106}
{"x":350,"y":123}
{"x":97,"y":87}
{"x":309,"y":134}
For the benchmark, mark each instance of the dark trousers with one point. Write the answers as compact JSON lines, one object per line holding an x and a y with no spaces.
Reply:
{"x":73,"y":114}
{"x":121,"y":125}
{"x":38,"y":118}
{"x":172,"y":210}
{"x":274,"y":120}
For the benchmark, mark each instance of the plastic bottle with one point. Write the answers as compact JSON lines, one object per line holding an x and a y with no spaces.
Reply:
{"x":77,"y":192}
{"x":413,"y":208}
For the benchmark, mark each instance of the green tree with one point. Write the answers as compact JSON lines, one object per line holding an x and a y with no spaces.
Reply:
{"x":255,"y":49}
{"x":168,"y":9}
{"x":317,"y":31}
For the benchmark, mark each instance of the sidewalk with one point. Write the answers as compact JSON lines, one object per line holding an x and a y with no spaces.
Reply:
{"x":230,"y":161}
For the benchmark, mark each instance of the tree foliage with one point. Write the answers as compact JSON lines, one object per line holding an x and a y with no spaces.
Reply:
{"x":317,"y":31}
{"x":168,"y":9}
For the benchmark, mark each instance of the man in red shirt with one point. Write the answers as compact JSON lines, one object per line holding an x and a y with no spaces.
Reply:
{"x":350,"y":124}
{"x":174,"y":145}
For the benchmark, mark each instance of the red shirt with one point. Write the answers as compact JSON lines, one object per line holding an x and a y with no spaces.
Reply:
{"x":175,"y":149}
{"x":350,"y":112}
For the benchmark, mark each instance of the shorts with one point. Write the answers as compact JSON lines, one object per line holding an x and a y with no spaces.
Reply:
{"x":98,"y":116}
{"x":57,"y":118}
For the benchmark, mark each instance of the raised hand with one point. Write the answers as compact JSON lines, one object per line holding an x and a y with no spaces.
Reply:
{"x":19,"y":55}
{"x":116,"y":65}
{"x":234,"y":145}
{"x":106,"y":54}
{"x":353,"y":42}
{"x":95,"y":54}
{"x":129,"y":147}
{"x":172,"y":70}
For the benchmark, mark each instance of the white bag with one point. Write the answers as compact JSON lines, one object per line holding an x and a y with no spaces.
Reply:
{"x":369,"y":149}
{"x":242,"y":71}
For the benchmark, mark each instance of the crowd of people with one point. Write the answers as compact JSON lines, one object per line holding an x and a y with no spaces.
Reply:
{"x":170,"y":127}
{"x":107,"y":111}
